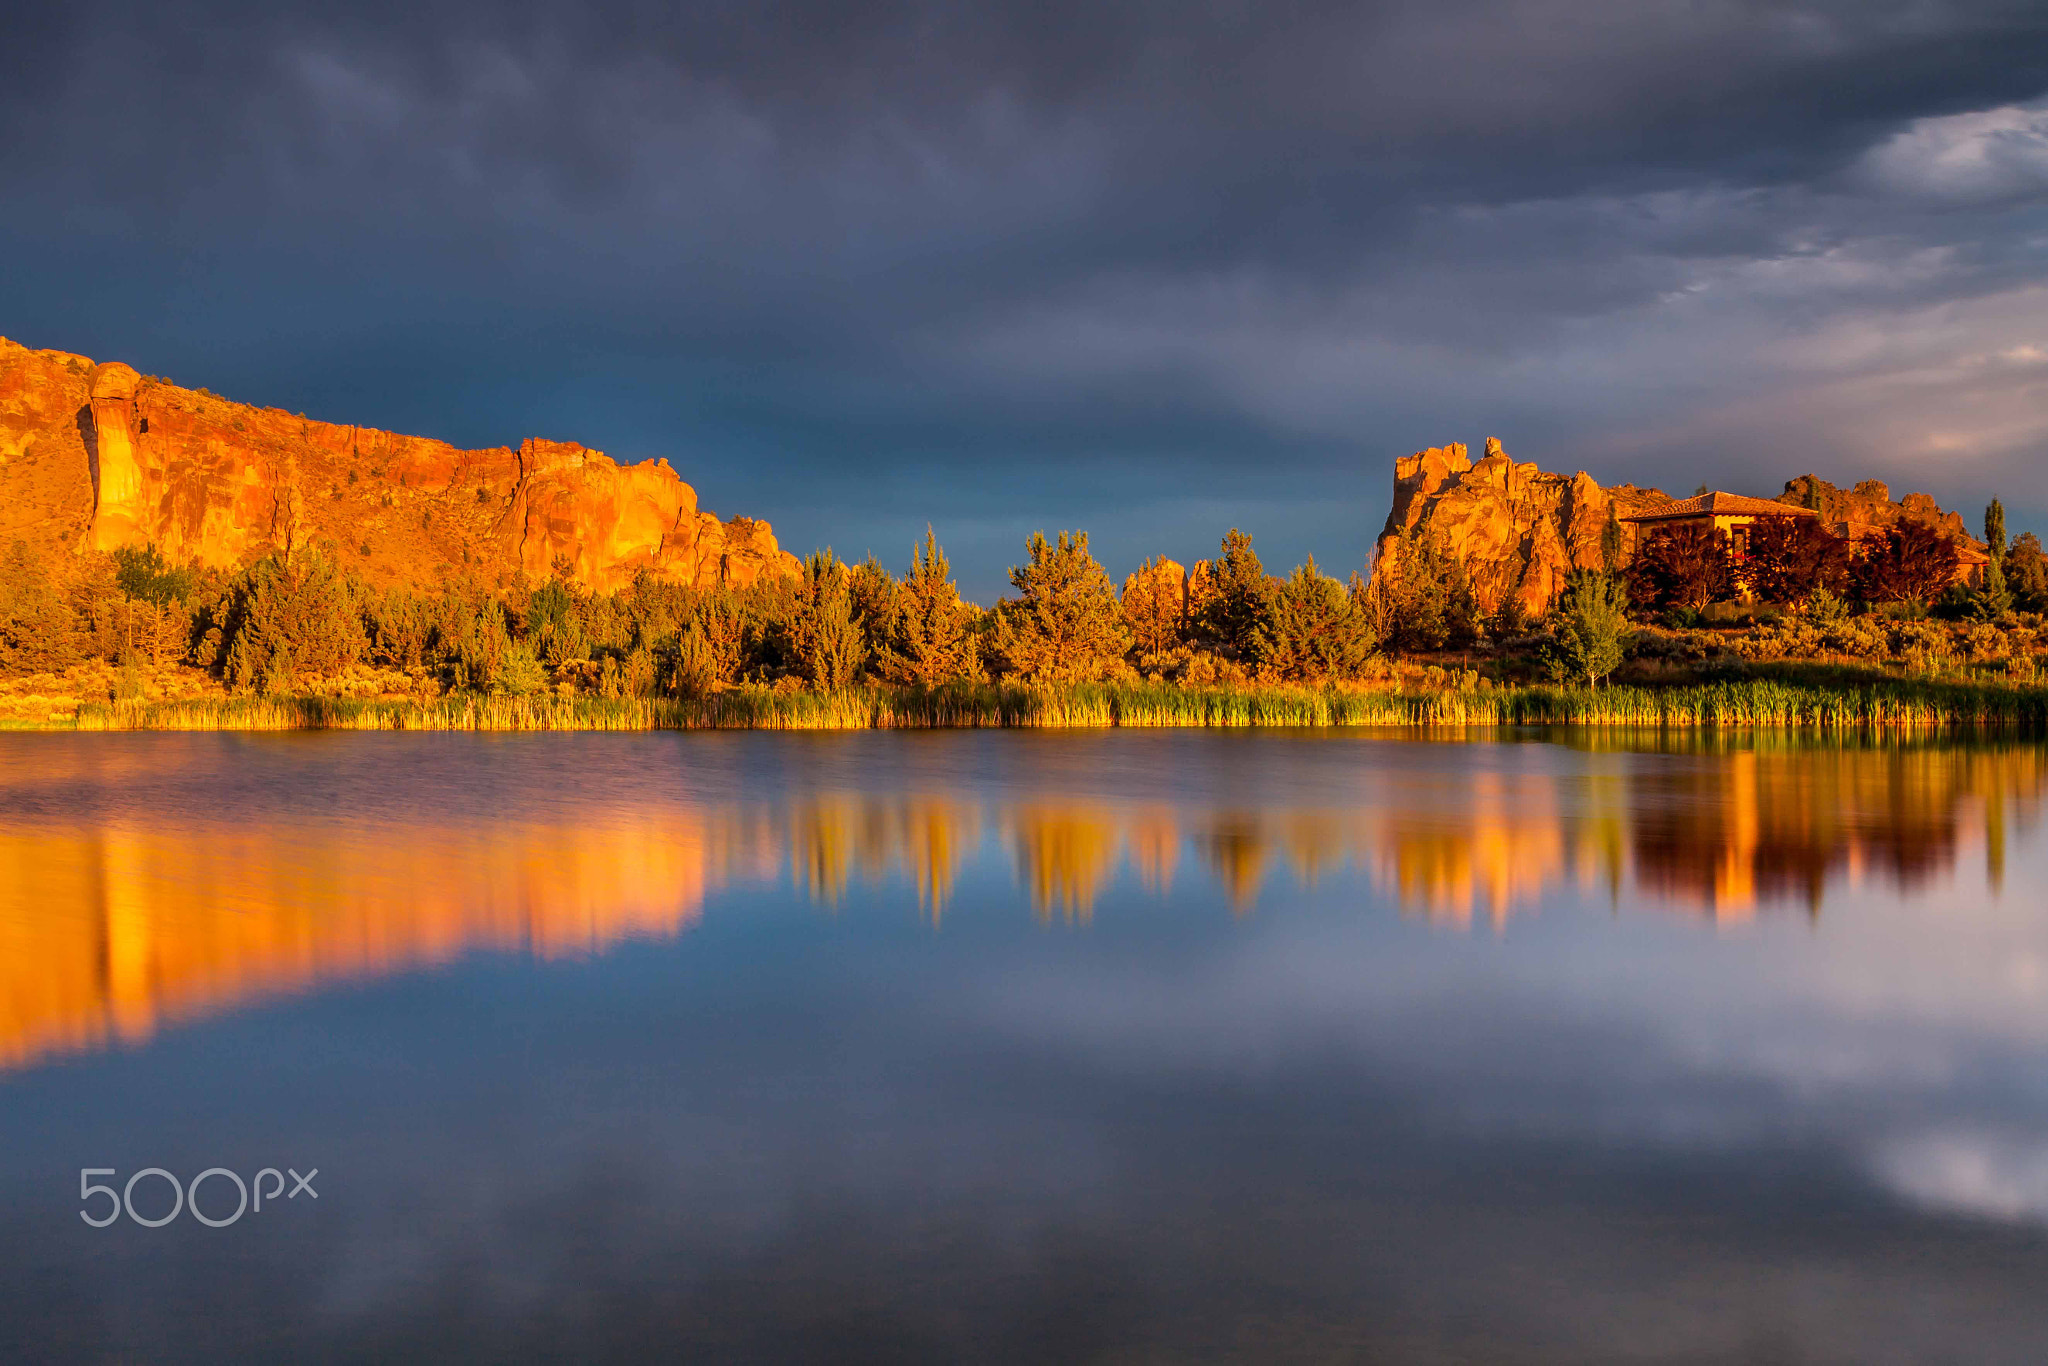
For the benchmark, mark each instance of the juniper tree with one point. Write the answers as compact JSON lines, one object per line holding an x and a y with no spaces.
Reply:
{"x":1993,"y":599}
{"x":931,"y":638}
{"x":2027,"y":573}
{"x":1429,"y":594}
{"x":1238,"y":611}
{"x":301,"y":616}
{"x":1588,"y":627}
{"x":1064,"y":624}
{"x":38,"y":629}
{"x":1317,"y":630}
{"x":826,"y":641}
{"x":873,"y":591}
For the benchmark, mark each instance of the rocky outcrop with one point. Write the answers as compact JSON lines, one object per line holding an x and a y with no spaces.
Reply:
{"x":1869,"y":507}
{"x":99,"y":457}
{"x":1518,"y":530}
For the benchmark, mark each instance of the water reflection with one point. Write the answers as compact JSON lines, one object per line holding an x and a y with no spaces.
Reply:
{"x":117,"y":926}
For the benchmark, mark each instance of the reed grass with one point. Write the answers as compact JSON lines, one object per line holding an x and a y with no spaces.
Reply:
{"x":1832,"y":705}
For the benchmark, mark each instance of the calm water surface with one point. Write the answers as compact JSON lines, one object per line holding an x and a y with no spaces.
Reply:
{"x":1105,"y":1046}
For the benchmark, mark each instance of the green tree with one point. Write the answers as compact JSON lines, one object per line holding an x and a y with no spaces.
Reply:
{"x":1429,"y":594}
{"x":1588,"y":627}
{"x":1064,"y":624}
{"x":692,"y":669}
{"x":1992,"y":599}
{"x":931,"y":638}
{"x":874,"y":592}
{"x":401,"y":626}
{"x":727,"y":632}
{"x":1610,"y":541}
{"x":518,"y":672}
{"x":287,"y":618}
{"x":1236,"y":617}
{"x":38,"y":629}
{"x":481,"y":646}
{"x":826,"y":641}
{"x":143,"y":575}
{"x":1994,"y":529}
{"x":2026,"y":569}
{"x":552,"y":628}
{"x":1317,"y":630}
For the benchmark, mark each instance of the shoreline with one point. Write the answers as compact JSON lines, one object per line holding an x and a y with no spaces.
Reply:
{"x":1868,"y":703}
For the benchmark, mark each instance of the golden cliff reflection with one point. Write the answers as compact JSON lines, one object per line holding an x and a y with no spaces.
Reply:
{"x":114,"y":931}
{"x":110,"y":931}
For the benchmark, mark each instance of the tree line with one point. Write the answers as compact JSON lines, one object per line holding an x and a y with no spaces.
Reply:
{"x":289,"y":619}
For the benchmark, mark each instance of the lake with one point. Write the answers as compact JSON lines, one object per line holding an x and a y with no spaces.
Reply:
{"x":1015,"y":1046}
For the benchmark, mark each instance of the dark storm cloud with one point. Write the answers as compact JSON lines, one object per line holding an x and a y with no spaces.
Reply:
{"x":1128,"y":266}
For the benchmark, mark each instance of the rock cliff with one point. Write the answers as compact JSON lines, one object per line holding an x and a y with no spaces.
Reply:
{"x":98,"y":457}
{"x":1521,"y":531}
{"x":1870,"y":505}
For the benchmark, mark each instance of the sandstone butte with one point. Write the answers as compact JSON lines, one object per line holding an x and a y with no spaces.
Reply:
{"x":97,"y":457}
{"x":1521,"y":531}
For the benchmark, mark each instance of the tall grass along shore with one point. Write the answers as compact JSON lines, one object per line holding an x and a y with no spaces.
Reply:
{"x":1756,"y":702}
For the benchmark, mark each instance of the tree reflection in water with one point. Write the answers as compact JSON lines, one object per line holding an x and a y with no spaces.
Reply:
{"x":114,"y":926}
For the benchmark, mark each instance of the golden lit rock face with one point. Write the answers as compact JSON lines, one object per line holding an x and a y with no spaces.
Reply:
{"x":1519,"y":531}
{"x":110,"y":933}
{"x":101,"y":457}
{"x":119,"y":509}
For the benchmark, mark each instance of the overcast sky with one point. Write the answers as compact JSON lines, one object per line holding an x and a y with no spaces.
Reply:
{"x":1150,"y":270}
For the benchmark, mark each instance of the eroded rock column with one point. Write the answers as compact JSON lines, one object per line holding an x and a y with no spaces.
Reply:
{"x":117,"y":505}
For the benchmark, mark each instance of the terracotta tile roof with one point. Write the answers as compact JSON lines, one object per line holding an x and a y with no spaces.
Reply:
{"x":1722,"y":505}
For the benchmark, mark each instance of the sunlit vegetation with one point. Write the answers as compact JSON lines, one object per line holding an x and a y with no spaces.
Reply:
{"x":1846,"y":703}
{"x":1687,"y":635}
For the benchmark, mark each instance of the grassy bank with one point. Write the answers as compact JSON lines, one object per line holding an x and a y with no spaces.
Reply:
{"x":1831,"y":704}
